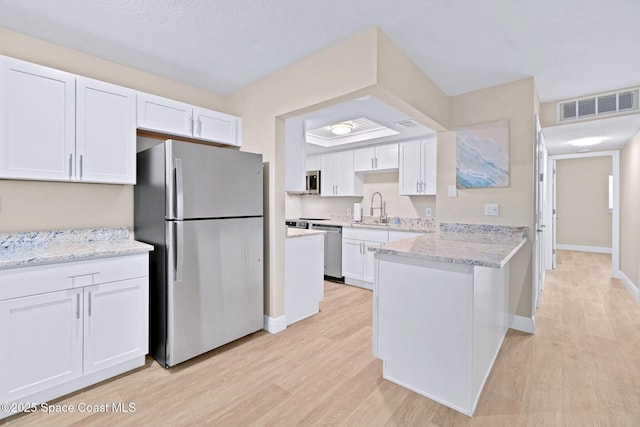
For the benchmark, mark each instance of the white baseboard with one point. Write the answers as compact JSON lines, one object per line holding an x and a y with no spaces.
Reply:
{"x":631,"y":287}
{"x":582,"y":248}
{"x":275,"y":324}
{"x":522,"y":324}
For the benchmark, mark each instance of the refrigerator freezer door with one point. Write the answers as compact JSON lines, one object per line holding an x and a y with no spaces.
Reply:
{"x":211,"y":182}
{"x":219,"y":292}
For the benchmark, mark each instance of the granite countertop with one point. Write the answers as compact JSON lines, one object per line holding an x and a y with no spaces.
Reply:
{"x":24,"y":249}
{"x":481,"y":245}
{"x":302,"y":232}
{"x":423,"y":225}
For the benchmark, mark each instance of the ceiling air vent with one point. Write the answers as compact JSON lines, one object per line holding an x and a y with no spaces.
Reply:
{"x":407,"y":124}
{"x":587,"y":107}
{"x":607,"y":104}
{"x":610,"y":103}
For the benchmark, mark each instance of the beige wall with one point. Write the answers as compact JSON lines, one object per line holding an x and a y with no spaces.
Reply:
{"x":630,"y":210}
{"x":33,"y":205}
{"x":263,"y":106}
{"x":582,"y":195}
{"x":516,"y":102}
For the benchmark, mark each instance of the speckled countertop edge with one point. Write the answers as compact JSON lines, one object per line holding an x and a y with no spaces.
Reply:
{"x":471,"y":244}
{"x":423,"y":225}
{"x":302,"y":232}
{"x":24,"y":249}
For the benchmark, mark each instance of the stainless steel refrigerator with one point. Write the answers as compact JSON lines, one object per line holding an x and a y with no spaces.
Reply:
{"x":201,"y":208}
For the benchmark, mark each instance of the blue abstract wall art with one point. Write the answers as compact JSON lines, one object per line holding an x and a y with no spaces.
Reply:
{"x":482,"y":155}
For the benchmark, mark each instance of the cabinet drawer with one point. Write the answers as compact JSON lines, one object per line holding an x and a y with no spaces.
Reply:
{"x":24,"y":281}
{"x":369,"y":234}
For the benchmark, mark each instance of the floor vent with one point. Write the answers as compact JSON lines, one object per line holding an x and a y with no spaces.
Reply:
{"x":607,"y":104}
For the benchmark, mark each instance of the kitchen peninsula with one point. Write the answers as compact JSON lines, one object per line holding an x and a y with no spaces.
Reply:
{"x":441,"y":309}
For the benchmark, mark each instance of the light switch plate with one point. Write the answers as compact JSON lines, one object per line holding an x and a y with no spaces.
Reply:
{"x":453,"y":191}
{"x":428,"y":212}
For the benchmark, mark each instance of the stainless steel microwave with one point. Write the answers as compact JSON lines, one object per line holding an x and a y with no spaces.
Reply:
{"x":313,"y":182}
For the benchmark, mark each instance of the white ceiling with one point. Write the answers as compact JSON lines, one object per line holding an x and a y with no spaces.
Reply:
{"x":571,"y":47}
{"x":617,"y":131}
{"x":369,"y":107}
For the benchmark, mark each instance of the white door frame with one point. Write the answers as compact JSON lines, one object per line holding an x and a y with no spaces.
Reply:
{"x":540,"y":241}
{"x":615,"y":214}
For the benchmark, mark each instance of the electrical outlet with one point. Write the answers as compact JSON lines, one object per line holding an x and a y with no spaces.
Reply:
{"x":348,"y":211}
{"x":492,"y":209}
{"x":428,"y":212}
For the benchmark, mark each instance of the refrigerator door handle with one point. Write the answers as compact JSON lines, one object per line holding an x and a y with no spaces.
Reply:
{"x":179,"y":250}
{"x":179,"y":189}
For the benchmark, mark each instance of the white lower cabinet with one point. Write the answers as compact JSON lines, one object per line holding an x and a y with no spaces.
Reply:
{"x":357,"y":259}
{"x":62,"y":328}
{"x":41,"y":342}
{"x":115,"y":326}
{"x":304,"y":276}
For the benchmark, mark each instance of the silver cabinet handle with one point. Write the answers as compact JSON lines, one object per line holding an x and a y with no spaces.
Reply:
{"x":89,"y":301}
{"x":191,"y":125}
{"x":179,"y":248}
{"x":77,"y":306}
{"x":70,"y":165}
{"x":81,"y":165}
{"x":376,"y":163}
{"x":199,"y":127}
{"x":372,"y":163}
{"x":179,"y":189}
{"x":417,"y":186}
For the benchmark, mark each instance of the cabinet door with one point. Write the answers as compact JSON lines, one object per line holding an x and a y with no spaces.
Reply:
{"x":164,"y":115}
{"x":214,"y":126}
{"x":105,"y":132}
{"x":429,"y":167}
{"x":328,"y":175}
{"x":410,"y":175}
{"x":352,"y":264}
{"x":41,"y":339}
{"x":364,"y":159}
{"x":37,"y":121}
{"x":386,"y":157}
{"x":116,"y":323}
{"x":345,"y":176}
{"x":368,"y":261}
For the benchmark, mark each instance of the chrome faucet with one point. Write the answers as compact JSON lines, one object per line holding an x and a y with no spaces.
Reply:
{"x":382,"y":207}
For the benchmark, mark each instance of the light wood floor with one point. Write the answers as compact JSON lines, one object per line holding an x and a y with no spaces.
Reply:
{"x":581,"y":368}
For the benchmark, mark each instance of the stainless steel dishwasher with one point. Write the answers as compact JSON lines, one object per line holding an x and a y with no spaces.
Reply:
{"x":332,"y":250}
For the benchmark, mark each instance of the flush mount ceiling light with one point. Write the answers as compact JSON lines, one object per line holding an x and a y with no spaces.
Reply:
{"x":341,"y":128}
{"x":586,"y":142}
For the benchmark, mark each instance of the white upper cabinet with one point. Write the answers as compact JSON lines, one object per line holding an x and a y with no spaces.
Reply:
{"x":164,"y":115}
{"x":417,"y":168}
{"x":377,"y":158}
{"x":56,"y":126}
{"x":105,"y":132}
{"x":338,"y":177}
{"x":215,"y":126}
{"x":37,"y":121}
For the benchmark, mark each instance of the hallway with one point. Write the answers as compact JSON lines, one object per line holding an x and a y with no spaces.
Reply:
{"x":583,"y":365}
